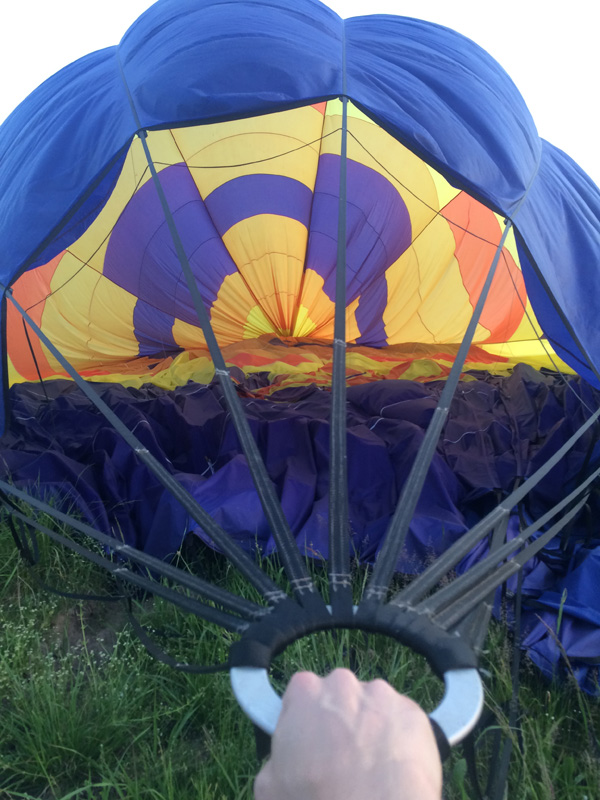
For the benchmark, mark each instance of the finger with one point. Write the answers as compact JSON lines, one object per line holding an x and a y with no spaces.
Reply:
{"x":302,"y":688}
{"x":263,"y":784}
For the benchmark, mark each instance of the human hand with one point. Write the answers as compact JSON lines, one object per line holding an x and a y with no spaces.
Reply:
{"x":339,"y":738}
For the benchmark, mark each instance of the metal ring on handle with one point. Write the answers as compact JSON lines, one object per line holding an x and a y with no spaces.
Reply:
{"x":456,"y":715}
{"x":461,"y":705}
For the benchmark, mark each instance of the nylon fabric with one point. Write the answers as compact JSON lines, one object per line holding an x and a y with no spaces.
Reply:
{"x":435,"y":92}
{"x":489,"y":420}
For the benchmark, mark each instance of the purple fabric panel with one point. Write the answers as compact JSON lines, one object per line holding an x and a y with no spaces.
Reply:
{"x":154,"y":330}
{"x":579,"y":638}
{"x":378,"y":232}
{"x":64,"y":448}
{"x":369,"y":315}
{"x":141,"y":256}
{"x":250,"y":195}
{"x":478,"y":425}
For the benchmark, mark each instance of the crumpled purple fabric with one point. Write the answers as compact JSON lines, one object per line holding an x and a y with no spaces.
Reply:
{"x":499,"y":429}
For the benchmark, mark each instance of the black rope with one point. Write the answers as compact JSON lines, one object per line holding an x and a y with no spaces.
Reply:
{"x":238,"y":557}
{"x":255,"y":161}
{"x":474,"y":626}
{"x":245,"y":608}
{"x":262,"y":742}
{"x":31,"y":559}
{"x":300,"y":580}
{"x":498,"y":776}
{"x":424,"y":634}
{"x":84,"y":264}
{"x":470,"y":752}
{"x":453,"y":613}
{"x":71,"y":213}
{"x":445,"y":597}
{"x":30,"y":555}
{"x":428,"y":579}
{"x":35,"y":361}
{"x":436,"y":212}
{"x":396,"y":534}
{"x":340,"y":585}
{"x":118,"y":570}
{"x":292,"y":561}
{"x":161,"y":655}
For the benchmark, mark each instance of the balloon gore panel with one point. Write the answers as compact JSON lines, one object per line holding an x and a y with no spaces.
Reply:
{"x":255,"y":203}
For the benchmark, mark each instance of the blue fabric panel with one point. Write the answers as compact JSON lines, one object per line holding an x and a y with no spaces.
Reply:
{"x":448,"y":100}
{"x":210,"y":59}
{"x":553,"y":321}
{"x":567,"y":255}
{"x":54,"y":146}
{"x":84,"y":214}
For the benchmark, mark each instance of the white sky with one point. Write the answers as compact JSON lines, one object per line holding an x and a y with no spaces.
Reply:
{"x":549,"y":48}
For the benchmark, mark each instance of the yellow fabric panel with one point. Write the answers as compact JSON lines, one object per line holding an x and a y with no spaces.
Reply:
{"x":445,"y":192}
{"x":286,"y":143}
{"x":91,"y":320}
{"x":65,"y":314}
{"x":304,"y":326}
{"x":335,"y":108}
{"x":529,"y":328}
{"x":234,"y":316}
{"x":370,"y":145}
{"x":88,"y":318}
{"x":231,"y":312}
{"x":539,"y":355}
{"x":427,"y":299}
{"x":310,"y":361}
{"x":256,"y":323}
{"x":166,"y":373}
{"x":111,"y":321}
{"x":269,"y":252}
{"x":164,"y":150}
{"x":187,"y":366}
{"x":90,"y":248}
{"x":191,"y":336}
{"x":13,"y":375}
{"x":186,"y":335}
{"x":316,"y":311}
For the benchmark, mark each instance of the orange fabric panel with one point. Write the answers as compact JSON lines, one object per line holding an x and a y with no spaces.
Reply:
{"x":30,"y":291}
{"x":475,"y":251}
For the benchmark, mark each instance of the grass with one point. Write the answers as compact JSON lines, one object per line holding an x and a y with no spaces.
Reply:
{"x":86,"y":713}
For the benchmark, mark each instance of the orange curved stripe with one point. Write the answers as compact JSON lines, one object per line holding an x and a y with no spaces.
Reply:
{"x":477,"y":234}
{"x":30,"y":291}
